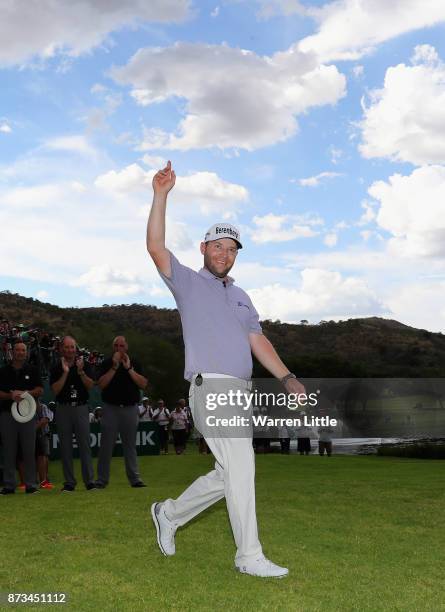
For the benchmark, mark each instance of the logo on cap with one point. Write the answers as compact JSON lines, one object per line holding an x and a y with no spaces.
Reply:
{"x":223,"y":230}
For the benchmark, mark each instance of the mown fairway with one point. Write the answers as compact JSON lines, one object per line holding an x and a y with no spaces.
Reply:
{"x":357,"y":533}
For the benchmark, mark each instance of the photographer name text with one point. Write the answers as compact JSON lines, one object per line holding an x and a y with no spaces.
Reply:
{"x":260,"y":420}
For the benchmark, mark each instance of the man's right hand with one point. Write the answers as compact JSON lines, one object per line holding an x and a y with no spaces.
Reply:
{"x":164,"y":180}
{"x":17,"y":395}
{"x":117,"y":358}
{"x":65,"y":366}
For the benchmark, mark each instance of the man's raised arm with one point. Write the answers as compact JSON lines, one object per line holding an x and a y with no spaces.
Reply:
{"x":163,"y":181}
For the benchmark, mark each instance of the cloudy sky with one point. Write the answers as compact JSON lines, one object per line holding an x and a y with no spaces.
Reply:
{"x":316,"y":127}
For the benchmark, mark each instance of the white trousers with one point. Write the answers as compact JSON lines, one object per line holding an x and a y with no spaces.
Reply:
{"x":232,"y":478}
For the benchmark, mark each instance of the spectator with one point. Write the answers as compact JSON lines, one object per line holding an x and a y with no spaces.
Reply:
{"x":283,"y":435}
{"x":325,"y":437}
{"x":145,"y":410}
{"x":188,"y":412}
{"x":120,"y":380}
{"x":179,"y":421}
{"x":98,"y":414}
{"x":161,"y":416}
{"x":71,"y":382}
{"x":303,"y":437}
{"x":16,"y":378}
{"x":44,"y":418}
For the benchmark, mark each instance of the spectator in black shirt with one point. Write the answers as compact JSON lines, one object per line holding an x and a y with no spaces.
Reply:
{"x":15,"y":378}
{"x":120,"y":380}
{"x":71,"y":381}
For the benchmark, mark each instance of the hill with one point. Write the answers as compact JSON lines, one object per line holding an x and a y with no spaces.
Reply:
{"x":369,"y":347}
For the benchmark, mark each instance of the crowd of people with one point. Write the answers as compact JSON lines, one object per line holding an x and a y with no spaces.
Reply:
{"x":29,"y":355}
{"x":43,"y":346}
{"x":26,"y":444}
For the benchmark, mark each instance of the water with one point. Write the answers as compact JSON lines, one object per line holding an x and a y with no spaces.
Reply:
{"x":350,"y":446}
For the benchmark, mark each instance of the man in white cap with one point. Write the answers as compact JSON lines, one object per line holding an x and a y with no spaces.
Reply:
{"x":221,"y":331}
{"x":15,"y":378}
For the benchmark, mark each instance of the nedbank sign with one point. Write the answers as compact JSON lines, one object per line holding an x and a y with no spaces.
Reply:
{"x":147,"y":441}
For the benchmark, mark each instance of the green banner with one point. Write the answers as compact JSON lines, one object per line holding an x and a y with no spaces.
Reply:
{"x":147,"y":441}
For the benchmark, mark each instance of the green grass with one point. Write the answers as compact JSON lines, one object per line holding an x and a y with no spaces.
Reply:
{"x":357,"y":533}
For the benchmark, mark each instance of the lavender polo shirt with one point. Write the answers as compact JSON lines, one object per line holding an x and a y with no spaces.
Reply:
{"x":216,"y":322}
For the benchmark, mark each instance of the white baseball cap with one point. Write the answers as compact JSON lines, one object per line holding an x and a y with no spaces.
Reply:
{"x":24,"y":410}
{"x":223,"y":230}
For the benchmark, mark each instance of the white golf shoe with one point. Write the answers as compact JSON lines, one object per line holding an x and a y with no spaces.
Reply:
{"x":165,"y":529}
{"x":263,"y":568}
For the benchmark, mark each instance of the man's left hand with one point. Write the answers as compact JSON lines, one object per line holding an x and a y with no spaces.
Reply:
{"x":126,"y":362}
{"x":293,"y":385}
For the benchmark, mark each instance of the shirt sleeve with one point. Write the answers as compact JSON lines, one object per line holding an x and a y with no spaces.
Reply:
{"x":254,"y":327}
{"x":179,"y":282}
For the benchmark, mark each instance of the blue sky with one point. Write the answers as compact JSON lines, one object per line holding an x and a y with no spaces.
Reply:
{"x":317,"y":128}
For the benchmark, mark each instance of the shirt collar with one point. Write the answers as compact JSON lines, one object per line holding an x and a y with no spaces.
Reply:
{"x":207,"y":274}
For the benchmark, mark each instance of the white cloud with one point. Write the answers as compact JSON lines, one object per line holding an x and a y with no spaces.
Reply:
{"x":154,"y":161}
{"x":61,"y":228}
{"x":76,"y":143}
{"x":215,"y":12}
{"x":369,"y":215}
{"x":412,"y":209}
{"x":323,"y":294}
{"x":405,"y":120}
{"x":420,"y":304}
{"x":98,"y":88}
{"x":103,"y":280}
{"x":330,"y":239}
{"x":424,"y":54}
{"x":130,"y":178}
{"x":336,"y":154}
{"x":158,"y":291}
{"x":35,"y":197}
{"x":281,"y":228}
{"x":271,"y":8}
{"x":234,"y":98}
{"x":358,"y":71}
{"x":211,"y":193}
{"x":42,"y":295}
{"x":177,"y":236}
{"x":5,"y":128}
{"x":349,"y":29}
{"x":45,"y":28}
{"x":366,"y":235}
{"x":341,"y":225}
{"x":96,"y":118}
{"x":314,"y":181}
{"x":203,"y":192}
